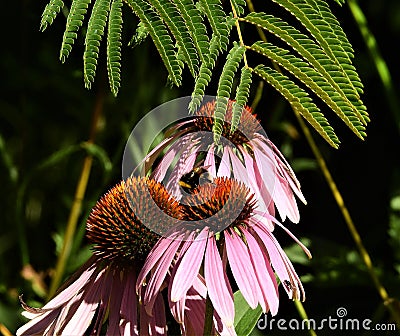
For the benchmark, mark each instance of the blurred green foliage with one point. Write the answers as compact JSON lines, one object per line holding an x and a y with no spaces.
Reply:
{"x":45,"y":118}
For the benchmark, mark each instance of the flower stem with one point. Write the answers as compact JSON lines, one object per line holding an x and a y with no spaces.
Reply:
{"x":78,"y":198}
{"x":388,"y":301}
{"x":303,"y":315}
{"x":239,"y":33}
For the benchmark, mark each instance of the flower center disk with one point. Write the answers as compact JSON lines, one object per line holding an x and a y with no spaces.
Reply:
{"x":220,"y":204}
{"x":122,"y":225}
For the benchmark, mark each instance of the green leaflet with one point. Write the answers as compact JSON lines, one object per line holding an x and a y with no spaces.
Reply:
{"x":176,"y":24}
{"x":322,"y":32}
{"x":225,"y":87}
{"x":139,"y":36}
{"x":314,"y":55}
{"x":50,"y":12}
{"x":300,"y":101}
{"x":94,"y":34}
{"x":160,"y":37}
{"x":74,"y":23}
{"x":195,"y":27}
{"x":114,"y":46}
{"x":217,"y":19}
{"x":242,"y":95}
{"x":315,"y":81}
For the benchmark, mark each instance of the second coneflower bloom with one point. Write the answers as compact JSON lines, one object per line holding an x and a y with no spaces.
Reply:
{"x":246,"y":154}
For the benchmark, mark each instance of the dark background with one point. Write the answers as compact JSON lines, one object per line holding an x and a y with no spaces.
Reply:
{"x":45,"y":109}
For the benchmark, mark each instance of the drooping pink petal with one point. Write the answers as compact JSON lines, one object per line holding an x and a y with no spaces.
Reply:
{"x":129,"y":325}
{"x":224,"y":169}
{"x":264,"y":274}
{"x":239,"y":171}
{"x":280,"y":262}
{"x":158,"y":276}
{"x":210,"y":161}
{"x":115,"y":297}
{"x":189,"y":266}
{"x":240,"y":264}
{"x":75,"y":285}
{"x":38,"y":324}
{"x":162,"y":168}
{"x":82,"y":317}
{"x":288,"y":171}
{"x":158,"y":250}
{"x":282,"y":193}
{"x":271,"y":218}
{"x":262,"y":201}
{"x":158,"y":325}
{"x":219,"y":290}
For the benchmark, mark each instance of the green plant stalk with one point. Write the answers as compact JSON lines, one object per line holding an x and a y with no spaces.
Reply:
{"x":387,"y":300}
{"x":303,"y":315}
{"x":375,"y":54}
{"x":77,"y":203}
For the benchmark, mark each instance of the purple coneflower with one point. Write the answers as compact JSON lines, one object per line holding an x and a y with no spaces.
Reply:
{"x":195,"y":254}
{"x":246,"y":155}
{"x":101,"y":296}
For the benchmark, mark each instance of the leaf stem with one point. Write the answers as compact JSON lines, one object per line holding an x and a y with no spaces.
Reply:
{"x":239,"y":33}
{"x":78,"y":198}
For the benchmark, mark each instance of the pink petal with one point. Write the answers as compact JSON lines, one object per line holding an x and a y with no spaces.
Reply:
{"x":156,"y":252}
{"x":158,"y":276}
{"x":265,"y":275}
{"x":249,"y":162}
{"x":128,"y":310}
{"x":219,"y":289}
{"x":224,"y":169}
{"x":280,"y":262}
{"x":210,"y":161}
{"x":38,"y":324}
{"x":269,"y":217}
{"x":239,"y":171}
{"x":75,"y":285}
{"x":189,"y":266}
{"x":159,"y":322}
{"x":240,"y":264}
{"x":81,"y":319}
{"x":115,"y":302}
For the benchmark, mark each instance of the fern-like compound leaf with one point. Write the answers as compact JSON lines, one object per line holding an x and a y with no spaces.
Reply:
{"x":225,"y":87}
{"x":50,"y":12}
{"x":217,"y":19}
{"x":314,"y":81}
{"x":322,"y":32}
{"x":242,"y":95}
{"x":160,"y":36}
{"x":94,"y":34}
{"x":114,"y":46}
{"x":74,"y":23}
{"x":195,"y":27}
{"x":313,"y":54}
{"x":176,"y":24}
{"x":300,"y":101}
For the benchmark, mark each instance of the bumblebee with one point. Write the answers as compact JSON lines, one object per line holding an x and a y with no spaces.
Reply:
{"x":196,"y":177}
